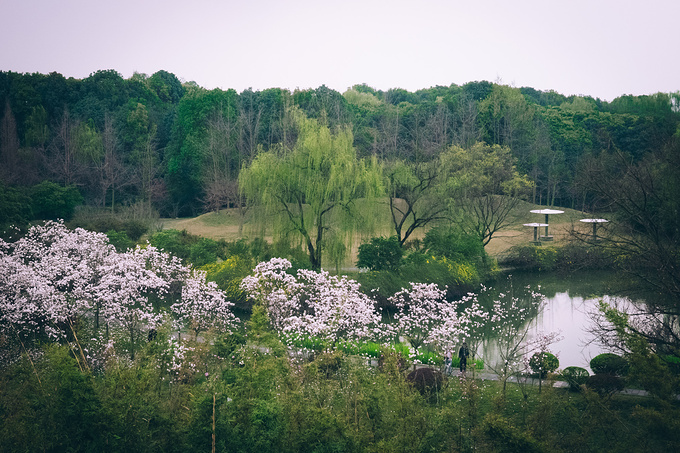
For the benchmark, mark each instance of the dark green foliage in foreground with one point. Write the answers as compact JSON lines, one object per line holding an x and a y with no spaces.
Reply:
{"x":575,"y":377}
{"x":605,"y":384}
{"x":247,"y":391}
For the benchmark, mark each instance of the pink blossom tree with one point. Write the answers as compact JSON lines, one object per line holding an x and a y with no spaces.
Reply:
{"x":312,"y":303}
{"x":55,"y":275}
{"x":203,"y":306}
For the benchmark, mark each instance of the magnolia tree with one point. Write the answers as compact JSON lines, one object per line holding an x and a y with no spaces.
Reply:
{"x":55,"y":273}
{"x":425,"y":317}
{"x":203,"y":306}
{"x":509,"y":319}
{"x":461,"y":321}
{"x":54,"y":276}
{"x":312,"y":303}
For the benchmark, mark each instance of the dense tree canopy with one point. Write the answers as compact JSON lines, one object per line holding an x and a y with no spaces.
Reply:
{"x":196,"y":140}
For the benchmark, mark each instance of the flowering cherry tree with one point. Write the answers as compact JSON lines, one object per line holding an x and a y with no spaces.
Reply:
{"x":313,"y":303}
{"x":202,"y":306}
{"x":54,"y":276}
{"x":510,"y":313}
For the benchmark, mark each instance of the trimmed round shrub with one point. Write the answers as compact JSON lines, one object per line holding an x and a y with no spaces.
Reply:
{"x":575,"y":377}
{"x":426,"y":380}
{"x":609,"y":363}
{"x":543,"y":363}
{"x":605,"y":384}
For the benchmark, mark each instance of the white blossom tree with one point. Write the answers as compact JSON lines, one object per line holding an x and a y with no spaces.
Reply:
{"x":509,"y":320}
{"x":425,"y":317}
{"x":203,"y":306}
{"x":313,"y":303}
{"x":53,"y":277}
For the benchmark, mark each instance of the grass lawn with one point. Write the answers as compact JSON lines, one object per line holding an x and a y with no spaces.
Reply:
{"x":225,"y":225}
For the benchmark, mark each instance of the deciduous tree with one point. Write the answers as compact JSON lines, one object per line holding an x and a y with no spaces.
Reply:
{"x":313,"y":187}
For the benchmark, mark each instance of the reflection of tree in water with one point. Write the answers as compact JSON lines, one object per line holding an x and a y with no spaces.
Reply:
{"x":504,"y":338}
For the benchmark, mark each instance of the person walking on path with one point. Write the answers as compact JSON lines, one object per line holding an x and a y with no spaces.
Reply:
{"x":463,"y":355}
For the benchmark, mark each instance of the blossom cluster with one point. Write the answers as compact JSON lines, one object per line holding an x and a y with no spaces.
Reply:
{"x":425,"y":317}
{"x":312,"y":303}
{"x":54,"y":276}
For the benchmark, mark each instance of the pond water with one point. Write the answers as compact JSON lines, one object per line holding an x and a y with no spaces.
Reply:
{"x":570,"y":300}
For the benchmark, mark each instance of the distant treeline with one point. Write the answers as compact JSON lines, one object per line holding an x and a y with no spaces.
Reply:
{"x":178,"y":147}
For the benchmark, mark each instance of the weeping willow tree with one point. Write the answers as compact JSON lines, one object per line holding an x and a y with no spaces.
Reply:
{"x":312,"y":189}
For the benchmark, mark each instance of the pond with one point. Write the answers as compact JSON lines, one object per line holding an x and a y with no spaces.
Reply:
{"x":570,"y":300}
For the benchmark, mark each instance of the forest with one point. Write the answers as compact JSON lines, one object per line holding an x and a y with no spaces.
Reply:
{"x":179,"y":148}
{"x":119,"y":335}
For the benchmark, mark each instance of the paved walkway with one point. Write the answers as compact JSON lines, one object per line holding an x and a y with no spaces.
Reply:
{"x":486,"y":376}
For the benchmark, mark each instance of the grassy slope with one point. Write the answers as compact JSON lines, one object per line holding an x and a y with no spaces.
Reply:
{"x":225,"y":225}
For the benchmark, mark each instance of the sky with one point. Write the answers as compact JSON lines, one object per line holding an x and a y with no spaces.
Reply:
{"x":599,"y":48}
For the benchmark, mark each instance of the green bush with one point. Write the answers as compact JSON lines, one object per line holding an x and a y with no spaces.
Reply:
{"x":426,"y":380}
{"x":15,"y":207}
{"x":575,"y":377}
{"x":605,"y":384}
{"x":51,"y":201}
{"x":543,"y":363}
{"x":172,"y":241}
{"x":532,"y":257}
{"x":505,"y":437}
{"x":609,"y":363}
{"x":105,"y":222}
{"x":453,"y":244}
{"x":228,"y":275}
{"x":381,"y":254}
{"x":203,"y":251}
{"x":576,"y":256}
{"x":120,"y":240}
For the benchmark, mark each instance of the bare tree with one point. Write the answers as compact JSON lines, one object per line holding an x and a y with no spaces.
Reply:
{"x":417,"y":196}
{"x":112,"y":170}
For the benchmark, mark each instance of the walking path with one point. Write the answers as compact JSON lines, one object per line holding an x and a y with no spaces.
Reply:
{"x":485,"y":376}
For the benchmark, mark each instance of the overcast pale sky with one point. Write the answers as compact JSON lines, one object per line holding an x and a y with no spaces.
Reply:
{"x":601,"y":48}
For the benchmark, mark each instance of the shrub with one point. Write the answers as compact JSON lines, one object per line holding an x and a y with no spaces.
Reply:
{"x":453,"y":245}
{"x":120,"y":240}
{"x":609,"y":363}
{"x":543,"y":363}
{"x":505,"y":437}
{"x":575,"y":377}
{"x":381,"y":254}
{"x":532,"y":257}
{"x":203,"y":251}
{"x":605,"y":384}
{"x":15,"y":207}
{"x":426,"y":380}
{"x":228,"y":275}
{"x":171,"y":241}
{"x":51,"y":201}
{"x":327,"y":363}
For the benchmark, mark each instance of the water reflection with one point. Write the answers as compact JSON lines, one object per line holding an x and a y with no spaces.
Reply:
{"x":569,"y":302}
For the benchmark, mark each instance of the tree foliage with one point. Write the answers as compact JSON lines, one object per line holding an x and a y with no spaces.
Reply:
{"x":313,"y":187}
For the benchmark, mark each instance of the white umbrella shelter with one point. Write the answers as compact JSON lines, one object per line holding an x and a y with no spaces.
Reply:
{"x":547,"y":213}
